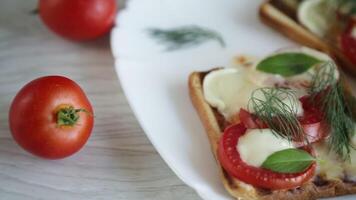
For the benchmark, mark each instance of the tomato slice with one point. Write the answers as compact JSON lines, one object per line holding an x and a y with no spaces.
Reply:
{"x":249,"y":120}
{"x":231,"y":161}
{"x":311,"y":121}
{"x":348,"y":42}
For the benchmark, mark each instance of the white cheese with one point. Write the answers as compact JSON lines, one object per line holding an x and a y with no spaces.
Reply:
{"x":315,"y":16}
{"x":350,"y":166}
{"x":329,"y":163}
{"x":353,"y":32}
{"x":257,"y":144}
{"x":331,"y":166}
{"x":228,"y":90}
{"x":353,"y":139}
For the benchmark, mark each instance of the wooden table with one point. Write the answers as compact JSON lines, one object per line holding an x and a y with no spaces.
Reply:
{"x":118,"y":162}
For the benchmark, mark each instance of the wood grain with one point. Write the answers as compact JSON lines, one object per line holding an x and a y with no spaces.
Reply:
{"x":118,"y":162}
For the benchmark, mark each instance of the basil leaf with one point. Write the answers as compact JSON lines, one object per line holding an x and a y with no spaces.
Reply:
{"x":287,"y":64}
{"x":288,"y":161}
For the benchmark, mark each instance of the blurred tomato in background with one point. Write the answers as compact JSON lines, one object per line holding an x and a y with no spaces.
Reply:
{"x":78,"y":19}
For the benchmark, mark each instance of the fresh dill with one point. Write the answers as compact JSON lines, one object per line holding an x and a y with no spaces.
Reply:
{"x":185,"y":36}
{"x":329,"y":95}
{"x":278,"y":108}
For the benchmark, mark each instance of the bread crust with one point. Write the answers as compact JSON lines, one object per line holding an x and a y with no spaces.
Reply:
{"x":214,"y":123}
{"x":278,"y":20}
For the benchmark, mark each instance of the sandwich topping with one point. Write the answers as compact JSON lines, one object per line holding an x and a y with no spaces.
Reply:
{"x":294,"y":120}
{"x":266,"y":142}
{"x":332,"y":20}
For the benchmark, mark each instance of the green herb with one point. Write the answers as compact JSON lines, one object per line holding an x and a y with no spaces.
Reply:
{"x":288,"y":161}
{"x":277,"y":108}
{"x":287,"y":64}
{"x":186,"y":36}
{"x":328,"y":94}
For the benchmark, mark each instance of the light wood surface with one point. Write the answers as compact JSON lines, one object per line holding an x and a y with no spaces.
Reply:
{"x":118,"y":162}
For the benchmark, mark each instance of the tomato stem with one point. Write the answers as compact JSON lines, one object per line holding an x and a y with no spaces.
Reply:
{"x":68,"y":116}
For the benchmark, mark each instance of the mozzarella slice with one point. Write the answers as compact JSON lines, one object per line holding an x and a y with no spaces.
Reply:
{"x":228,"y":90}
{"x":257,"y":144}
{"x":315,"y":16}
{"x":353,"y":32}
{"x":329,"y":164}
{"x":350,"y":167}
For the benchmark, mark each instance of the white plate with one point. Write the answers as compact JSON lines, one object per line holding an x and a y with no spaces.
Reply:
{"x":155,"y":81}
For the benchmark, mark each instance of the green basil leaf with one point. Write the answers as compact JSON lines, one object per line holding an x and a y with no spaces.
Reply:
{"x":287,"y":64}
{"x":288,"y":161}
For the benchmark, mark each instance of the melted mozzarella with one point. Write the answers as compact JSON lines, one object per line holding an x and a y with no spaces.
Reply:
{"x":257,"y":144}
{"x":353,"y":32}
{"x":228,"y":90}
{"x":350,"y":167}
{"x":329,"y":164}
{"x":314,"y":15}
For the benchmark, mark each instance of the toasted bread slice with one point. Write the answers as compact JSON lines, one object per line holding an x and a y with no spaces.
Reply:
{"x":214,"y":123}
{"x":289,"y":26}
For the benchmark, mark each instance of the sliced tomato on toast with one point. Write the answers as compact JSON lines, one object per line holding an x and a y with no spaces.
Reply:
{"x":231,"y":161}
{"x":311,"y":121}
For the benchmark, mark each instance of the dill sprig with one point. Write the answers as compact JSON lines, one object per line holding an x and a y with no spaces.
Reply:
{"x":185,"y":36}
{"x":328,"y":94}
{"x":277,"y":108}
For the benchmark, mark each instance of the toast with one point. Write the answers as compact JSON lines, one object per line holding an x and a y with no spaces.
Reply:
{"x":279,"y":17}
{"x":214,"y":123}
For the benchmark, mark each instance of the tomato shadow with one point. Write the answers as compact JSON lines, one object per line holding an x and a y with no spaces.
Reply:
{"x":102,"y":42}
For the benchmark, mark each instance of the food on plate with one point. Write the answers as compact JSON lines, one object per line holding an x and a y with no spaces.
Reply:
{"x":78,"y":19}
{"x":327,"y":25}
{"x":51,"y":117}
{"x":280,"y":127}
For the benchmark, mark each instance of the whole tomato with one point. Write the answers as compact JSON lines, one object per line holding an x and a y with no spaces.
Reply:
{"x":51,"y":117}
{"x":78,"y":19}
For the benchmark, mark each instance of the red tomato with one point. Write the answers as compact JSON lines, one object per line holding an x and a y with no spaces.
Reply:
{"x":312,"y":121}
{"x":51,"y":117}
{"x":348,"y":42}
{"x":249,"y":120}
{"x":231,"y":161}
{"x":313,"y":126}
{"x":78,"y":19}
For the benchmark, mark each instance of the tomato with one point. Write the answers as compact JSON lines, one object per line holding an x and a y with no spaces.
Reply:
{"x":249,"y":120}
{"x":78,"y":19}
{"x":348,"y":42}
{"x":231,"y":161}
{"x":312,"y":122}
{"x":51,"y":117}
